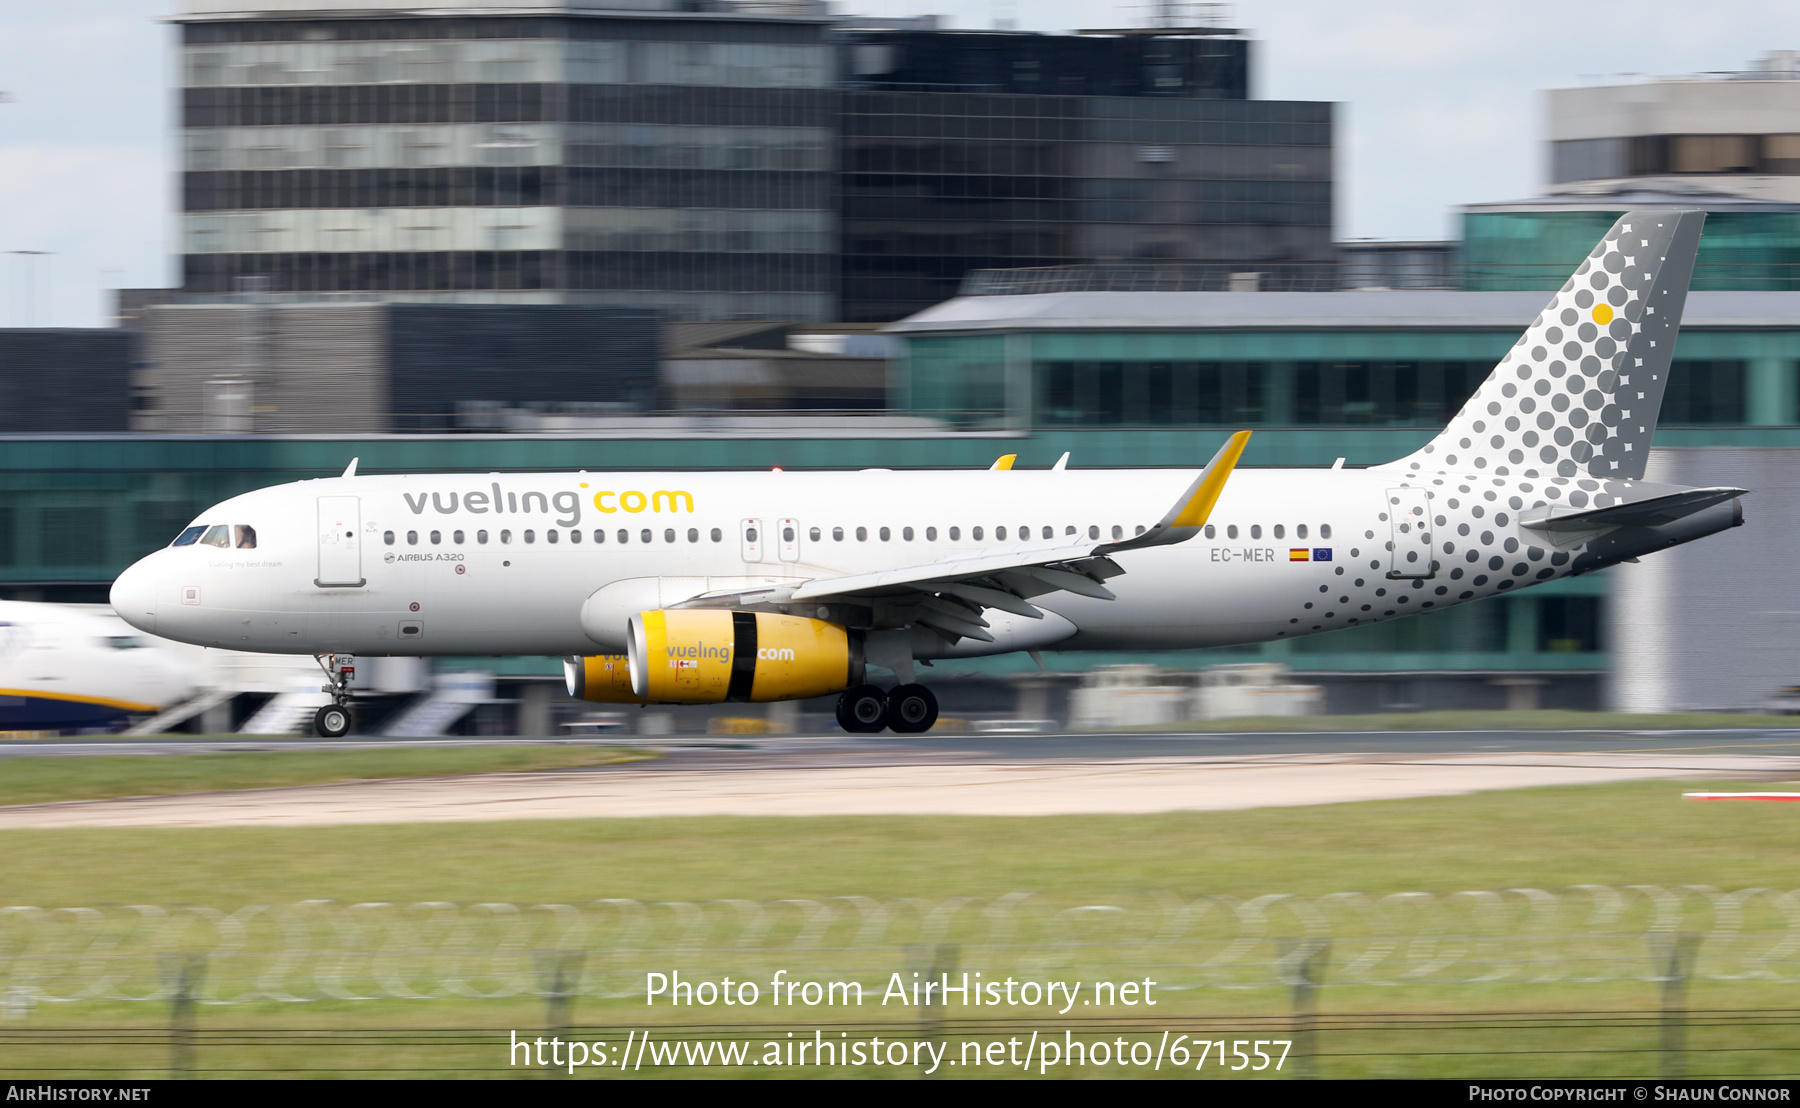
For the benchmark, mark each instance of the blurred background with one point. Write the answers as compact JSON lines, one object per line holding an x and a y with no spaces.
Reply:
{"x":241,"y":248}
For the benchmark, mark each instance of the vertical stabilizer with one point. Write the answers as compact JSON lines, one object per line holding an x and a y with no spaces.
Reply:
{"x":1580,"y":392}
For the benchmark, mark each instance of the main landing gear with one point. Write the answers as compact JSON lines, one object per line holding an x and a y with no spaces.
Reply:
{"x":333,"y":720}
{"x":866,"y":710}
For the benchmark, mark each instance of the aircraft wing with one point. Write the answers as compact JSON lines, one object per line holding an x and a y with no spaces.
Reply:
{"x":953,"y":592}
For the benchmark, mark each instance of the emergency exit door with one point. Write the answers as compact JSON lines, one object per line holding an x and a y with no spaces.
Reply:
{"x":340,"y":542}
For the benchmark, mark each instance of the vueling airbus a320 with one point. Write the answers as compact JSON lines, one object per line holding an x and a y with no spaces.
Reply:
{"x":693,"y":588}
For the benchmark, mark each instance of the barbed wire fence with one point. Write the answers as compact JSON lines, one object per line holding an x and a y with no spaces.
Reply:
{"x":193,"y":959}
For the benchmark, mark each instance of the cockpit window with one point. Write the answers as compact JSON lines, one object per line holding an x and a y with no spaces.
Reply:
{"x":246,"y":536}
{"x":217,"y":535}
{"x":190,"y":536}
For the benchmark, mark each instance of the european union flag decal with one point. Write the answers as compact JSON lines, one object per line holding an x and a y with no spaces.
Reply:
{"x":1321,"y":553}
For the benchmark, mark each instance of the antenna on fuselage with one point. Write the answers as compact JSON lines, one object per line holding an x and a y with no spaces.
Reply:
{"x":350,"y":470}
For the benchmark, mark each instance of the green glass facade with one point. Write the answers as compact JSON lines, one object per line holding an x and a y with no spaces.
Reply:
{"x":1297,"y":379}
{"x":1539,"y":249}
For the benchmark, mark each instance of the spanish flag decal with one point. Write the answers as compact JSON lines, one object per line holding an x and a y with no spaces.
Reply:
{"x":1299,"y":554}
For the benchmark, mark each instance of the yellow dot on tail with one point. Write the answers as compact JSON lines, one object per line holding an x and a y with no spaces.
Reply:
{"x":1602,"y":314}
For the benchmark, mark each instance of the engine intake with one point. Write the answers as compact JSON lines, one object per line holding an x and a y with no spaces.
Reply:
{"x":706,"y":656}
{"x":602,"y":678}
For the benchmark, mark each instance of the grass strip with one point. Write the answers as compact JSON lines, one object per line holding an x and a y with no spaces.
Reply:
{"x":40,"y":780}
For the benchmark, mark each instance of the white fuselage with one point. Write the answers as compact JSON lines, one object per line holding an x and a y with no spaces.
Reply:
{"x":470,"y":567}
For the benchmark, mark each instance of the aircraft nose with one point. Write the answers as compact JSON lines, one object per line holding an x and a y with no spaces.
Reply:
{"x":134,"y":596}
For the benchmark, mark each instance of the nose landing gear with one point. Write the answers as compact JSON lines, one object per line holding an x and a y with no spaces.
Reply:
{"x":333,"y":720}
{"x":866,"y":710}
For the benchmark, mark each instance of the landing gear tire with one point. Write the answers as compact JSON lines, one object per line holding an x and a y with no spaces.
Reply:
{"x":332,"y":721}
{"x":862,"y":710}
{"x":911,"y":709}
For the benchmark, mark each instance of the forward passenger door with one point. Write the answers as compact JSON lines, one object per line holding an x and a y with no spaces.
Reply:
{"x":340,"y":542}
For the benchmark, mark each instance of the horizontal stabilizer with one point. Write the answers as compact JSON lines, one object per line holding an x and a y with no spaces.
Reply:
{"x":1640,"y":513}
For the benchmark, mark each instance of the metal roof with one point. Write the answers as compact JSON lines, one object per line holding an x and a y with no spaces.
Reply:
{"x":1353,"y":310}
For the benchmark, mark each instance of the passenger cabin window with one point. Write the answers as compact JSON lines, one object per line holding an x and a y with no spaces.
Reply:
{"x":837,"y":534}
{"x":1300,"y":531}
{"x":693,"y":534}
{"x":1231,"y":531}
{"x":975,"y":533}
{"x":246,"y":536}
{"x":481,"y":537}
{"x":999,"y":534}
{"x":1280,"y":531}
{"x":717,"y":535}
{"x":217,"y":535}
{"x":387,"y":537}
{"x":552,"y":535}
{"x":574,"y":536}
{"x":955,"y":533}
{"x":1324,"y":530}
{"x":190,"y":536}
{"x":812,"y":534}
{"x":1256,"y":530}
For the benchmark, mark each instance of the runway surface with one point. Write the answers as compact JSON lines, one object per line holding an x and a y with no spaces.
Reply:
{"x":951,"y":775}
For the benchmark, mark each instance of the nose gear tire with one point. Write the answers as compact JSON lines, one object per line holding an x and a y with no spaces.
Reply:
{"x":332,"y":721}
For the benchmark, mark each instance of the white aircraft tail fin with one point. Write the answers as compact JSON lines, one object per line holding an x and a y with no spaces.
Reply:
{"x":1579,"y":393}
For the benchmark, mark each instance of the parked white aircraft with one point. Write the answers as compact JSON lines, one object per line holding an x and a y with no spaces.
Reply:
{"x":64,"y":667}
{"x":706,"y":587}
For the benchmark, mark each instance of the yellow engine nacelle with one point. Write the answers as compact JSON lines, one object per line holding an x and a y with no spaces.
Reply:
{"x":705,"y":656}
{"x":604,"y":678}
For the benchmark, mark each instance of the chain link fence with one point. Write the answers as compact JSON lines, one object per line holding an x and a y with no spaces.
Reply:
{"x":325,"y":950}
